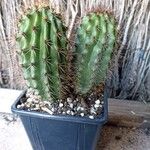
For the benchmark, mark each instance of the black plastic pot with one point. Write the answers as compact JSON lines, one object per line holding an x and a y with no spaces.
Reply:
{"x":50,"y":132}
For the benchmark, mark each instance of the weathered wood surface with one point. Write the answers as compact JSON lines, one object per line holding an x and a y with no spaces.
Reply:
{"x":128,"y":113}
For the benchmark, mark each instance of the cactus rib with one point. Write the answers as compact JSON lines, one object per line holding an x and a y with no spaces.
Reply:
{"x":95,"y":42}
{"x":40,"y":54}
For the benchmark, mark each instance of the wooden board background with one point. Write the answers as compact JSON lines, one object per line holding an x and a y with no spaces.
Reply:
{"x":128,"y":113}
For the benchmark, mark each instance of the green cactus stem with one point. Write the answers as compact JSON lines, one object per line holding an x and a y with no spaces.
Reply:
{"x":43,"y":47}
{"x":95,"y":41}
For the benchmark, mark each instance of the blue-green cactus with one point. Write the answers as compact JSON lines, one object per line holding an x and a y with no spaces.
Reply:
{"x":95,"y":41}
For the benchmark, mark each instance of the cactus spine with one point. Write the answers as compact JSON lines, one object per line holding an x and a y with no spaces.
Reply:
{"x":95,"y":42}
{"x":42,"y":41}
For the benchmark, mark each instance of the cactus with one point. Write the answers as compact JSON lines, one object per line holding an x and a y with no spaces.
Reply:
{"x":43,"y":52}
{"x":43,"y":47}
{"x":95,"y":41}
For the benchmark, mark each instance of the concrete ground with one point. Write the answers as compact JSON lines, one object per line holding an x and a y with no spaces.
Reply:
{"x":121,"y":138}
{"x":13,"y":136}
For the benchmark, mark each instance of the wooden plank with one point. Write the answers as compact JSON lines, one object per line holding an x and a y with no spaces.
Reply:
{"x":128,"y":113}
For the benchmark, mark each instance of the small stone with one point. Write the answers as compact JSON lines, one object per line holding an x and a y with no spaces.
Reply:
{"x":91,"y":117}
{"x":97,"y":101}
{"x":60,"y":100}
{"x":22,"y":105}
{"x":38,"y":97}
{"x":29,"y":100}
{"x":29,"y":93}
{"x":47,"y":110}
{"x":42,"y":104}
{"x":64,"y":113}
{"x":69,"y":100}
{"x":82,"y":114}
{"x":72,"y":113}
{"x":65,"y":103}
{"x":36,"y":101}
{"x":68,"y":112}
{"x":93,"y":111}
{"x":92,"y":94}
{"x":37,"y":106}
{"x":101,"y":106}
{"x":34,"y":109}
{"x":78,"y":108}
{"x":46,"y":102}
{"x":77,"y":99}
{"x":71,"y":105}
{"x":61,"y":105}
{"x":19,"y":106}
{"x":52,"y":109}
{"x":96,"y":105}
{"x":59,"y":111}
{"x":28,"y":105}
{"x":82,"y":108}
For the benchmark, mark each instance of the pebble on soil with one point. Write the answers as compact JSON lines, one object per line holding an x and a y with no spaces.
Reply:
{"x":73,"y":107}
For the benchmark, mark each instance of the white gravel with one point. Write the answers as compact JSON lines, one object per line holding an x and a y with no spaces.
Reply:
{"x":74,"y":107}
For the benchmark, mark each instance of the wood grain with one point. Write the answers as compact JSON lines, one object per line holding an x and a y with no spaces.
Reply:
{"x":128,"y":113}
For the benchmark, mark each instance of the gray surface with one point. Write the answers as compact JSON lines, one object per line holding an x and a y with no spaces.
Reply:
{"x":7,"y":97}
{"x":121,"y":138}
{"x":12,"y":134}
